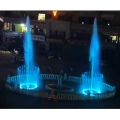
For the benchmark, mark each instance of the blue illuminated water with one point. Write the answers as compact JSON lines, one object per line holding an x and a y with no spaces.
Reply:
{"x":28,"y":48}
{"x":29,"y":73}
{"x":94,"y":57}
{"x":94,"y":77}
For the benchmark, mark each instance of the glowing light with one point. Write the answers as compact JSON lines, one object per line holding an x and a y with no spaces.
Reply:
{"x":91,"y":91}
{"x":41,"y":17}
{"x":82,"y":22}
{"x":54,"y":13}
{"x":24,"y":28}
{"x":108,"y":24}
{"x":22,"y":25}
{"x":28,"y":86}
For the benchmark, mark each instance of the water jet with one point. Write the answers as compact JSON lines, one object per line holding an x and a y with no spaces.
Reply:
{"x":29,"y":80}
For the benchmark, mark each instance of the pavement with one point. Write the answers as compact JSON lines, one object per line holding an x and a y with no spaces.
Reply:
{"x":15,"y":100}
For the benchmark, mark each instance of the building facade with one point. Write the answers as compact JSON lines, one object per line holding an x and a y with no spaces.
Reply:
{"x":60,"y":26}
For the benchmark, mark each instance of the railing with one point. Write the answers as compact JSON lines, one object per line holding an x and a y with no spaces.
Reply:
{"x":70,"y":96}
{"x":111,"y":93}
{"x":82,"y":97}
{"x":27,"y":92}
{"x":42,"y":76}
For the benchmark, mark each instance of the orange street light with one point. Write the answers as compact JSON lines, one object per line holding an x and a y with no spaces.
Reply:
{"x":54,"y":13}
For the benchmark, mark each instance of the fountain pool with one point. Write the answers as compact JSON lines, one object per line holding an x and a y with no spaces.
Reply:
{"x":90,"y":86}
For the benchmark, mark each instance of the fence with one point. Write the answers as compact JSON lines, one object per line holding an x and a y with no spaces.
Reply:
{"x":112,"y":90}
{"x":83,"y":97}
{"x":23,"y":77}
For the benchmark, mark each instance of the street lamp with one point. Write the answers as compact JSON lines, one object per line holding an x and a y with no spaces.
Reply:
{"x":54,"y":13}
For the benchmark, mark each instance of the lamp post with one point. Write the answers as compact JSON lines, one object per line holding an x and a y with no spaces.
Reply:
{"x":55,"y":14}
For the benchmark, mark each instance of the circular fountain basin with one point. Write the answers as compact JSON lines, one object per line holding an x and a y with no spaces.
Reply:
{"x":28,"y":86}
{"x":62,"y":88}
{"x":65,"y":91}
{"x":92,"y":92}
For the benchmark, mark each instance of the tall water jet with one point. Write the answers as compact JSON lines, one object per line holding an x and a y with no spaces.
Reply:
{"x":94,"y":77}
{"x":29,"y":70}
{"x":94,"y":57}
{"x":28,"y":50}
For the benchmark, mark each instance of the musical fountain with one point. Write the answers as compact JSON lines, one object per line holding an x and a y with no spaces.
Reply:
{"x":31,"y":82}
{"x":29,"y":70}
{"x":28,"y":74}
{"x":59,"y":86}
{"x":94,"y":76}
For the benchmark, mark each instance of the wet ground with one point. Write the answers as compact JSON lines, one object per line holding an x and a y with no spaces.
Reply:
{"x":10,"y":99}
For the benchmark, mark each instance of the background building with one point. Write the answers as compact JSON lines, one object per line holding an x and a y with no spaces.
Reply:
{"x":62,"y":26}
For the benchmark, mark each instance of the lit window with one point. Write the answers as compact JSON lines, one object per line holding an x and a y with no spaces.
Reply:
{"x":113,"y":38}
{"x":24,"y":28}
{"x":41,"y":17}
{"x":6,"y":25}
